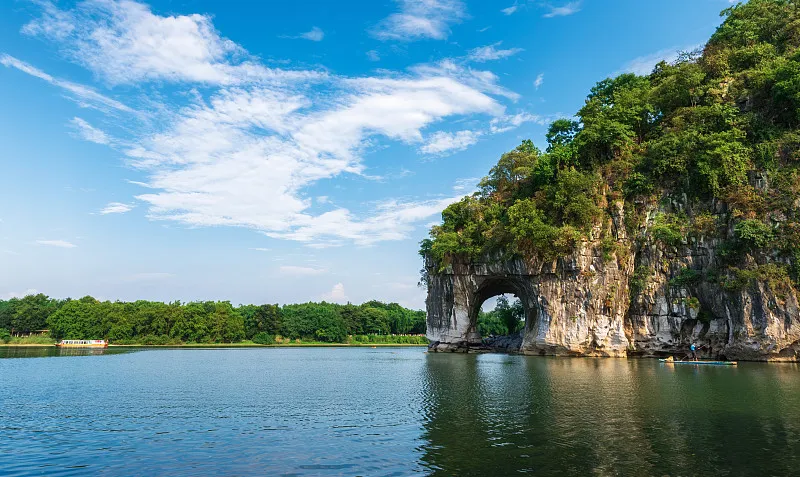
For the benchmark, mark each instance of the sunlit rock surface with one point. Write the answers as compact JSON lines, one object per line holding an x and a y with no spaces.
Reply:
{"x":584,"y":305}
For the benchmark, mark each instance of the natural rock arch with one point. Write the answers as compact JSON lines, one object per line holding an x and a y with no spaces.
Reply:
{"x":581,"y":305}
{"x":563,"y":313}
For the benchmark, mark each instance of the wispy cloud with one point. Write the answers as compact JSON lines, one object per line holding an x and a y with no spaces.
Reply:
{"x":539,"y":81}
{"x":85,"y":94}
{"x":56,"y":243}
{"x":644,"y":65}
{"x":441,"y":142}
{"x":245,"y":153}
{"x":507,"y":123}
{"x":116,"y":208}
{"x":563,"y":10}
{"x":491,"y":52}
{"x":420,"y":19}
{"x":302,"y":271}
{"x":373,"y":55}
{"x":510,"y":10}
{"x":89,"y":133}
{"x":315,"y":34}
{"x":261,"y":249}
{"x":466,"y":185}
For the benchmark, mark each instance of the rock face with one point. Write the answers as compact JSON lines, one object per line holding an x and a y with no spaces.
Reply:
{"x":635,"y":302}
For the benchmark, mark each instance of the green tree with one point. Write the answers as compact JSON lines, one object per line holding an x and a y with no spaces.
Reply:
{"x":31,"y":313}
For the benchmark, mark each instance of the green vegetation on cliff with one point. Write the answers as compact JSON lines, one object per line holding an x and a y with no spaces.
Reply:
{"x":147,"y":322}
{"x":710,"y":143}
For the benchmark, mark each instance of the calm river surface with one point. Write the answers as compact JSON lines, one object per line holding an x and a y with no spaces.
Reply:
{"x":390,"y":411}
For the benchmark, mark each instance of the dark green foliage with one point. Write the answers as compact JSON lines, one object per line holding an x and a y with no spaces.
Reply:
{"x":512,"y":315}
{"x":668,"y":229}
{"x":5,"y":336}
{"x":261,"y":319}
{"x":638,"y":184}
{"x":155,"y":323}
{"x":489,"y":324}
{"x":263,"y":338}
{"x":774,"y":275}
{"x":505,"y":319}
{"x":7,"y":311}
{"x":31,"y":312}
{"x":685,"y":277}
{"x":638,"y":281}
{"x":753,"y":233}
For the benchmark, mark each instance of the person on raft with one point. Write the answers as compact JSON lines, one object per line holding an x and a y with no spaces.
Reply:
{"x":693,"y":349}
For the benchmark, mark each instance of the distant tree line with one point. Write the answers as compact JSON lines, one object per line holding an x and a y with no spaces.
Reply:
{"x":149,"y":322}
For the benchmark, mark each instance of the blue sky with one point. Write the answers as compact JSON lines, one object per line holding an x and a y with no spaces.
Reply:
{"x":279,"y":152}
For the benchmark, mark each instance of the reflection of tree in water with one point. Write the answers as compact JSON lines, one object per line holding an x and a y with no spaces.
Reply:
{"x":504,"y":415}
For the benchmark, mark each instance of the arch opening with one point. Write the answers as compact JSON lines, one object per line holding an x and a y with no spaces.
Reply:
{"x":525,"y":310}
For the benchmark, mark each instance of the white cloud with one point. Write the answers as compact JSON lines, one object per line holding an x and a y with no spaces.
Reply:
{"x":490,"y":52}
{"x":564,"y":10}
{"x":84,"y":94}
{"x":644,"y":65}
{"x":336,"y":295}
{"x":54,"y":23}
{"x":420,"y":19}
{"x":301,"y":271}
{"x":124,"y":42}
{"x":510,"y":10}
{"x":245,"y":152}
{"x":507,"y":123}
{"x":392,"y":220}
{"x":116,"y":208}
{"x":261,"y":249}
{"x":481,"y":80}
{"x":212,"y":167}
{"x":56,"y":243}
{"x":89,"y":133}
{"x":441,"y":142}
{"x":539,"y":81}
{"x":315,"y":34}
{"x":373,"y":55}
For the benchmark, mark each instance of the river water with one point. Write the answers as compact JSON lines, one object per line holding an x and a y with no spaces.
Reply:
{"x":390,"y":411}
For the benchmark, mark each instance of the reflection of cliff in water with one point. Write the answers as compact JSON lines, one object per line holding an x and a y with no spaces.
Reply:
{"x":504,"y":415}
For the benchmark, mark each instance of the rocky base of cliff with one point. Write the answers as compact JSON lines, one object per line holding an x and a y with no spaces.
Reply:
{"x":504,"y":344}
{"x":459,"y":347}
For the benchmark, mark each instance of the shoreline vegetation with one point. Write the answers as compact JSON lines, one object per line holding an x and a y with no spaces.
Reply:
{"x":38,"y":320}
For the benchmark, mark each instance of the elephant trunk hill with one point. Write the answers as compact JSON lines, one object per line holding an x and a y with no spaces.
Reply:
{"x":666,"y":213}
